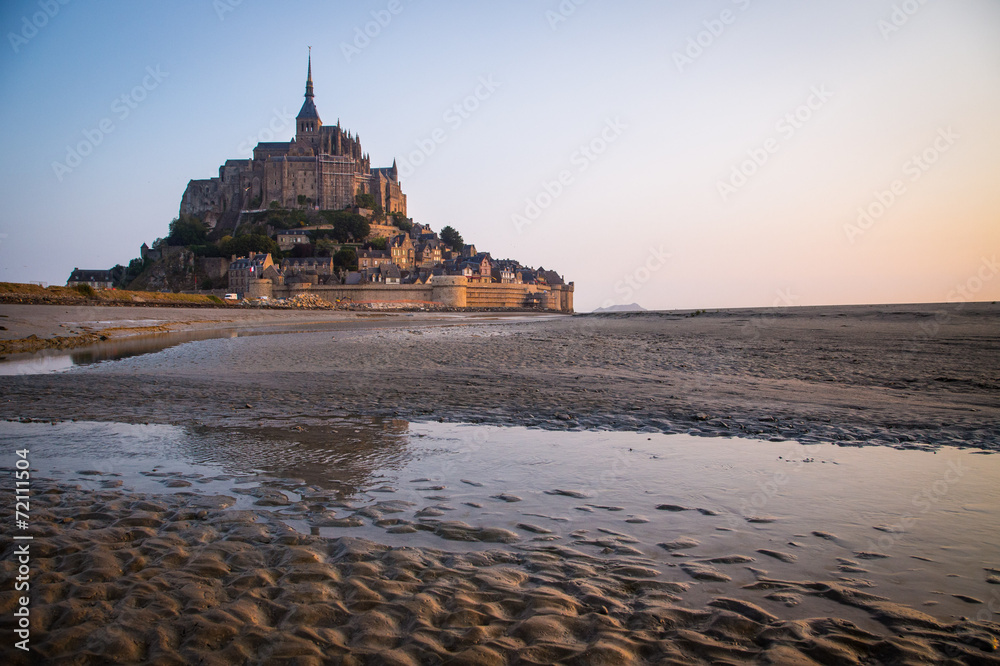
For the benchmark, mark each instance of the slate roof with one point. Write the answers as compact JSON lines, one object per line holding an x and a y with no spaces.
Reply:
{"x":85,"y":275}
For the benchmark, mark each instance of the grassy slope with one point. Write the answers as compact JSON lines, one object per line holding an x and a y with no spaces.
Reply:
{"x":11,"y":292}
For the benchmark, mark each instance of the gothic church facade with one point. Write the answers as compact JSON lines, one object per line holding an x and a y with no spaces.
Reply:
{"x":323,"y":167}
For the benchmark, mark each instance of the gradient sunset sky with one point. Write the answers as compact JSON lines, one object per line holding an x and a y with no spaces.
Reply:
{"x":674,"y":154}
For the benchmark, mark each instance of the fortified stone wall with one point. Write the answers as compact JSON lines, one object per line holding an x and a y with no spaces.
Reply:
{"x":362,"y":293}
{"x":499,"y":295}
{"x":451,"y":291}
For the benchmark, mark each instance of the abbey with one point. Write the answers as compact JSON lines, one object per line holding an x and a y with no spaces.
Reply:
{"x":323,"y":168}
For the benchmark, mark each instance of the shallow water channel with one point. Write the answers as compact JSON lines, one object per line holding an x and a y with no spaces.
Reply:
{"x":920,"y":527}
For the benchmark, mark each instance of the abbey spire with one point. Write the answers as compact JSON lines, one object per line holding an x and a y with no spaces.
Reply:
{"x":308,"y":111}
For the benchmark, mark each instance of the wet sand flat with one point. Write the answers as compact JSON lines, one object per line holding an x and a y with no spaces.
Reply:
{"x":866,"y":374}
{"x":258,"y":519}
{"x":429,"y":543}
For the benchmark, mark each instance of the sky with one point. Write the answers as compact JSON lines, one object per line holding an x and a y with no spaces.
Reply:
{"x":711,"y":154}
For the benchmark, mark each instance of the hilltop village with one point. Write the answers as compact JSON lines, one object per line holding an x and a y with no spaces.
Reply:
{"x":311,"y":215}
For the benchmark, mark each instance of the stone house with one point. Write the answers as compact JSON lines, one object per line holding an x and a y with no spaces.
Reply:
{"x":295,"y":266}
{"x":504,"y":272}
{"x":429,"y":253}
{"x":383,"y":274}
{"x":98,"y":279}
{"x":289,"y":238}
{"x":372,"y":259}
{"x":402,"y":252}
{"x":258,"y":266}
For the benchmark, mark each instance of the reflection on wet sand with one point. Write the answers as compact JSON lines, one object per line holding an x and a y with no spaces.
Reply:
{"x":516,"y":545}
{"x":345,"y":456}
{"x":52,"y":360}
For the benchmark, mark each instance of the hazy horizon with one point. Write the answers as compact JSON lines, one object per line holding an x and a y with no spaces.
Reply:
{"x":741,"y":154}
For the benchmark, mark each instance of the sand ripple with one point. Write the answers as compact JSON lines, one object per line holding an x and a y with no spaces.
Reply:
{"x":125,"y":578}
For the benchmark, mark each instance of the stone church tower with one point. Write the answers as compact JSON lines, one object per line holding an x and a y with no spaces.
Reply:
{"x":308,"y":124}
{"x":322,"y":168}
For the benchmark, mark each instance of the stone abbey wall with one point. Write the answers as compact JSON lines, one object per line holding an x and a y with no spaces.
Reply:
{"x":452,"y":291}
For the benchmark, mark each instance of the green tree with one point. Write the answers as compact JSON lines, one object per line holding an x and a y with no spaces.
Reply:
{"x":377,"y":244}
{"x":302,"y":250}
{"x":187,"y":230}
{"x":346,"y":259}
{"x":347,"y":226}
{"x":365,"y":200}
{"x":452,"y":238}
{"x":245,"y":244}
{"x":326,"y":247}
{"x":402,"y":222}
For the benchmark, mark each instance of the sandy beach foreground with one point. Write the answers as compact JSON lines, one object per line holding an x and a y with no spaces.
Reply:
{"x":253,"y":574}
{"x":180,"y":579}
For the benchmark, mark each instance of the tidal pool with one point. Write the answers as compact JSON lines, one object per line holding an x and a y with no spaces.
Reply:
{"x":920,"y":527}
